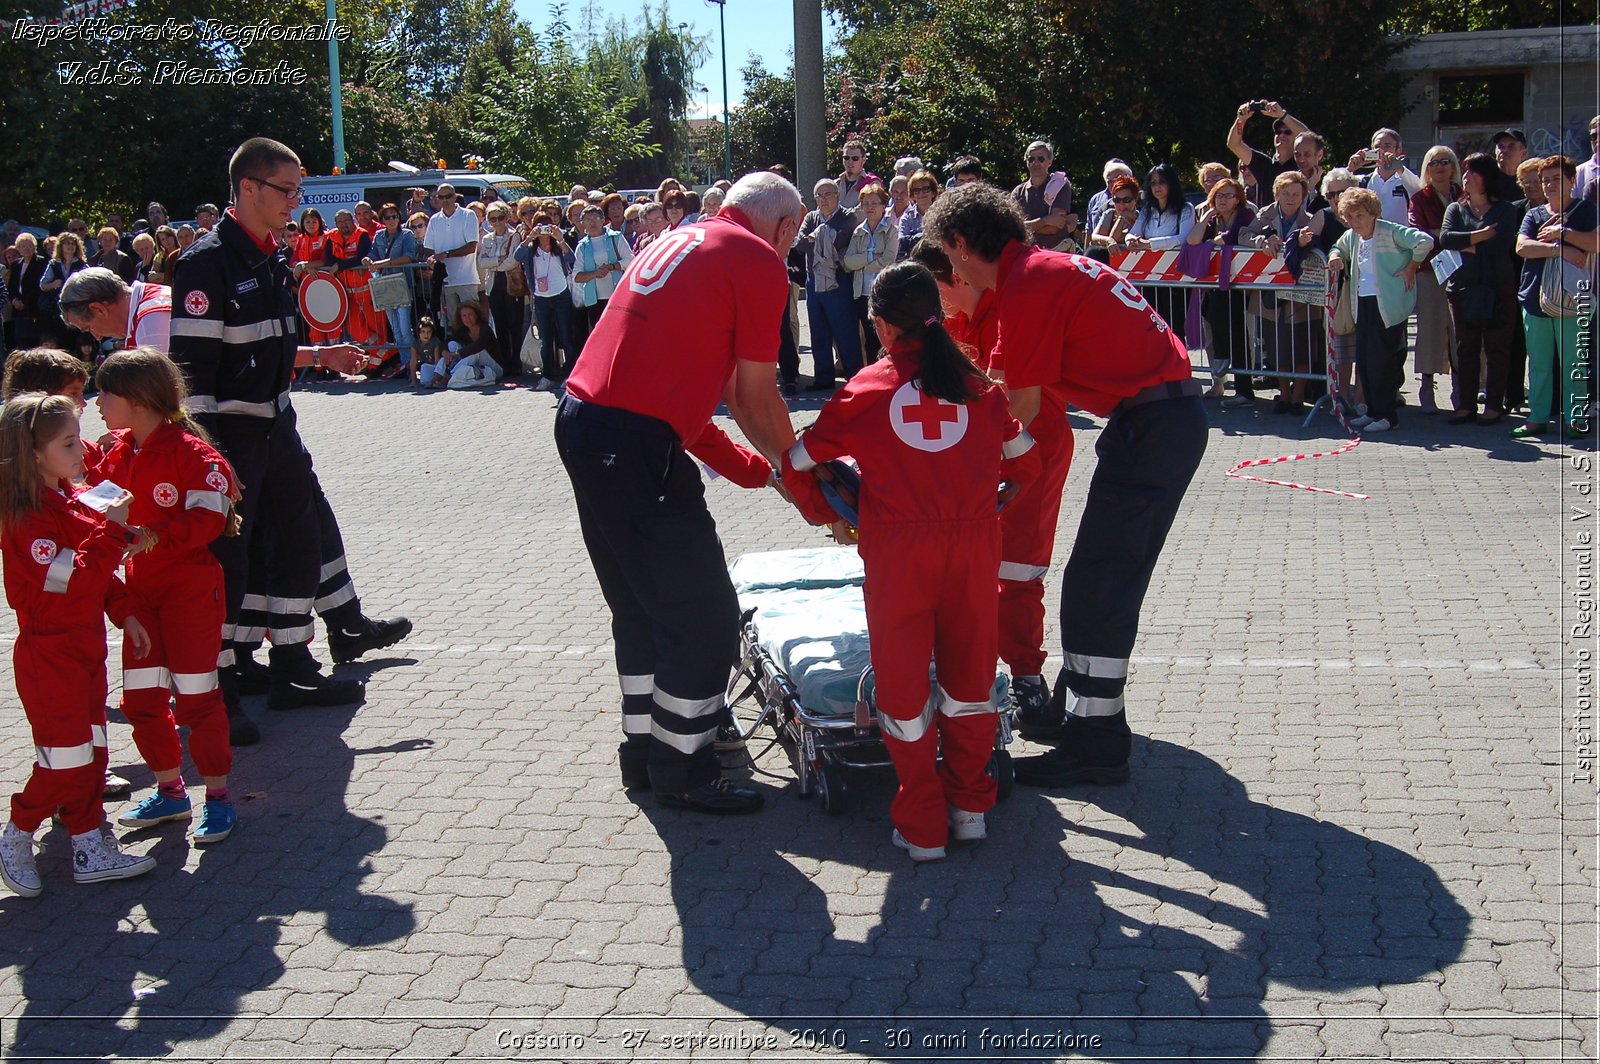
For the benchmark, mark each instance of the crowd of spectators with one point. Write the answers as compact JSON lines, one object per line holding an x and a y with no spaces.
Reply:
{"x":1449,"y":253}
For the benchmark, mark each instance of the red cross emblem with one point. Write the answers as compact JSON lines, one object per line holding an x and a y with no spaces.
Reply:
{"x":925,"y":422}
{"x":196,"y":303}
{"x":216,"y":481}
{"x":44,"y":551}
{"x":165,"y":495}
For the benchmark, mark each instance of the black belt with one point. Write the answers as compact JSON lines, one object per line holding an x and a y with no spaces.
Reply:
{"x":611,"y":417}
{"x":1159,"y":392}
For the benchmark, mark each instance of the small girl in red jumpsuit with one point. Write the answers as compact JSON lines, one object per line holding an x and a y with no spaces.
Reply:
{"x":60,"y":576}
{"x":930,"y":433}
{"x":182,"y":493}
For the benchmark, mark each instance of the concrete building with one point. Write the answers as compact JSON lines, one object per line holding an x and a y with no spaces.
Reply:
{"x":1463,"y":87}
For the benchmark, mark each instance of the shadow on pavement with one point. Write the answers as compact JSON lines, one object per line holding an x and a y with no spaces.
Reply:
{"x":1051,"y":928}
{"x":165,"y":959}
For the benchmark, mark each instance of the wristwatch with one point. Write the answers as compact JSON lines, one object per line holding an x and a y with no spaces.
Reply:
{"x":316,"y":358}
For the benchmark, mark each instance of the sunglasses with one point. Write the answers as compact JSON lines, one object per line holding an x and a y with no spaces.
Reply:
{"x":388,"y":217}
{"x":447,"y":195}
{"x":1036,"y":159}
{"x":1122,"y":199}
{"x":852,"y":158}
{"x":530,"y":214}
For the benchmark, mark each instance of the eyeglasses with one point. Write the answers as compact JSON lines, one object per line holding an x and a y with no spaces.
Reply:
{"x":922,"y":190}
{"x":447,"y":195}
{"x":288,"y":193}
{"x":853,"y":158}
{"x":1228,"y":193}
{"x":1440,"y":162}
{"x":1121,"y":199}
{"x":1037,"y":159}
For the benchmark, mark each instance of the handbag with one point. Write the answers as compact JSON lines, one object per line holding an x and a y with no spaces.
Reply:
{"x":516,"y":284}
{"x":1344,"y":313}
{"x":1561,"y":284}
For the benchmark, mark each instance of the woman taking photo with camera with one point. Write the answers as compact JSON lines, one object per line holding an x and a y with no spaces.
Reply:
{"x":547,"y":261}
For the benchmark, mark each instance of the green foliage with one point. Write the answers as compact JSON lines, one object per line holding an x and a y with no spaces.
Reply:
{"x":547,"y":118}
{"x":1420,"y":17}
{"x":763,"y":126}
{"x":653,"y":66}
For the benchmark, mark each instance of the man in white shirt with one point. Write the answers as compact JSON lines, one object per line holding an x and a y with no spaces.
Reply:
{"x":452,"y":237}
{"x":1388,"y":175}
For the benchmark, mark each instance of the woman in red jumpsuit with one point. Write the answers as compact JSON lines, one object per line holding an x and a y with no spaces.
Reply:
{"x":930,"y":433}
{"x":182,"y":490}
{"x":308,"y":258}
{"x":60,"y":576}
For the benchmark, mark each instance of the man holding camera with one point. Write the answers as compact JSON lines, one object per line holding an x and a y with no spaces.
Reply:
{"x":453,"y":237}
{"x":1388,"y":175}
{"x":1285,"y":128}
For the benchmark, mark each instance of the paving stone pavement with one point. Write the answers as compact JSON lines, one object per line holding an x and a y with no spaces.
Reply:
{"x":1350,"y":832}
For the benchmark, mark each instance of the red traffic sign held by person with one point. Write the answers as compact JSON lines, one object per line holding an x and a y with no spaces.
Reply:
{"x":324,"y":303}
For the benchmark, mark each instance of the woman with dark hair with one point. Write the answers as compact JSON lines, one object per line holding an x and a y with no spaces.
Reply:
{"x":692,"y":206}
{"x":932,"y":435}
{"x":1078,"y":333}
{"x":547,"y":263}
{"x":1163,"y":222}
{"x":167,"y":252}
{"x":1482,"y":291}
{"x":676,"y":204}
{"x":307,"y":259}
{"x":68,"y":260}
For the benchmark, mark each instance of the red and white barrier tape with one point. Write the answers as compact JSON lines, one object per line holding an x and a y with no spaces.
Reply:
{"x":1338,"y":413}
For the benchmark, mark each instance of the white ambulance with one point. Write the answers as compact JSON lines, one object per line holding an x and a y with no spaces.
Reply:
{"x":334,"y":192}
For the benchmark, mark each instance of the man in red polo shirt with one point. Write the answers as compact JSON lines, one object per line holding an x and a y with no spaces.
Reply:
{"x":1073,"y":330}
{"x":694,"y":321}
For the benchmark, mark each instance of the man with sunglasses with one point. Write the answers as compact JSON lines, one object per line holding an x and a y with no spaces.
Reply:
{"x":233,"y":334}
{"x":856,"y":176}
{"x":1285,"y":128}
{"x":452,"y":238}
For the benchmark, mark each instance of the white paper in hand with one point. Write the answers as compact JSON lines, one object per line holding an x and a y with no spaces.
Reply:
{"x":1446,"y":263}
{"x":104,"y":495}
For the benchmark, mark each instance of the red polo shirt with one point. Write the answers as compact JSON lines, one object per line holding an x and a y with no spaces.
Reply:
{"x":690,"y":304}
{"x":1070,"y":323}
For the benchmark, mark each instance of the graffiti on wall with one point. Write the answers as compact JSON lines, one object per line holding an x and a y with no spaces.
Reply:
{"x":1571,"y":141}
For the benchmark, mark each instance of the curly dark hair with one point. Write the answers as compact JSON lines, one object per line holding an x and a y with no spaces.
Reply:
{"x":985,"y":217}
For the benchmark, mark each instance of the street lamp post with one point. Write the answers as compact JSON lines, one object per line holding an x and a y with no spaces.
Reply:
{"x":727,"y":127}
{"x":333,"y":87}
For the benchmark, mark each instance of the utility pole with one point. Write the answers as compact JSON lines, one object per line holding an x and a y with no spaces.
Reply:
{"x":727,"y":128}
{"x":809,"y":138}
{"x":333,"y":88}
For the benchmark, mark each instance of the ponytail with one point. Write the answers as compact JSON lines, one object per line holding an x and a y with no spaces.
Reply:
{"x":906,"y":296}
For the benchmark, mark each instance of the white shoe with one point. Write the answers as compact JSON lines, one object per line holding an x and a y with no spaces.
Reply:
{"x":1361,"y":422}
{"x":1380,"y":425}
{"x":116,"y":786}
{"x":17,"y":867}
{"x":919,"y":854}
{"x":96,"y":858}
{"x":967,"y":827}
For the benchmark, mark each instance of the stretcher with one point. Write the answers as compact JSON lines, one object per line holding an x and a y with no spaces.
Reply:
{"x":805,"y":670}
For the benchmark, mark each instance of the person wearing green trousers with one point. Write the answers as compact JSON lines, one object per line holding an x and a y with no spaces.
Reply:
{"x":1564,"y":227}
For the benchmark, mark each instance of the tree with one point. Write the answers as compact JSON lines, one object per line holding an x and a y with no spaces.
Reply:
{"x":655,"y":67}
{"x":762,"y":127}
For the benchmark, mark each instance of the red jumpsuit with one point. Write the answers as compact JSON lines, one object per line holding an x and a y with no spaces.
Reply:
{"x":181,"y":488}
{"x":1028,"y":523}
{"x":308,"y":248}
{"x":930,"y":542}
{"x":347,"y":252}
{"x":60,"y":576}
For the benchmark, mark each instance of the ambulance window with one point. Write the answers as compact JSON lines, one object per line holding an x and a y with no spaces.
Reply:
{"x":379,"y":196}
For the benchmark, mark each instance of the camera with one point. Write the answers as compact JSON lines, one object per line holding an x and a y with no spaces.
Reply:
{"x":1257,"y":106}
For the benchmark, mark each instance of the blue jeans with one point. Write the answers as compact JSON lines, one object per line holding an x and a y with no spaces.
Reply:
{"x":400,"y":326}
{"x":553,"y":315}
{"x":833,"y":326}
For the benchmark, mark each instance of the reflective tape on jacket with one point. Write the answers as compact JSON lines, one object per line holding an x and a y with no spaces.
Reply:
{"x":684,"y":744}
{"x":1018,"y":445}
{"x":97,"y":735}
{"x":1018,"y":573}
{"x":59,"y":574}
{"x":952,"y":707}
{"x":688,"y":708}
{"x":801,"y":458}
{"x":206,"y":500}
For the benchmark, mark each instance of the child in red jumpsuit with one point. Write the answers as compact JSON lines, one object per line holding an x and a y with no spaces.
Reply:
{"x":930,"y":433}
{"x":1028,"y":528}
{"x":182,"y":491}
{"x":60,"y":577}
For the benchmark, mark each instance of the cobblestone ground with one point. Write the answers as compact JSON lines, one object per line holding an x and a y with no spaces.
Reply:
{"x":1348,"y":833}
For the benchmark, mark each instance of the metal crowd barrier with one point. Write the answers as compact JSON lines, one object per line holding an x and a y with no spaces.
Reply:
{"x":1266,"y":327}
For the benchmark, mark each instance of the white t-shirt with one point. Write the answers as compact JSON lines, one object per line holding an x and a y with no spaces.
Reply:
{"x":549,"y":274}
{"x":1393,"y":196}
{"x":448,"y":232}
{"x":1366,"y":269}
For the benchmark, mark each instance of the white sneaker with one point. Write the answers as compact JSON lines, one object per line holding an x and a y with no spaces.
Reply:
{"x":16,"y":863}
{"x":967,"y":827}
{"x":1361,"y":422}
{"x":116,"y":786}
{"x":95,"y":858}
{"x":1380,"y":425}
{"x":919,"y":854}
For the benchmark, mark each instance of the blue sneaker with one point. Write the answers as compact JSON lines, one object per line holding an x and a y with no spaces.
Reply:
{"x":157,"y":808}
{"x":216,"y":822}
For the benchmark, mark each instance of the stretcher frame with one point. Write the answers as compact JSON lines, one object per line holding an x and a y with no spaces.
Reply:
{"x":821,"y":748}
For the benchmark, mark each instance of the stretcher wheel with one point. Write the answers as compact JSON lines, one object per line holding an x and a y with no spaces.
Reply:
{"x":1003,"y":773}
{"x":832,"y":789}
